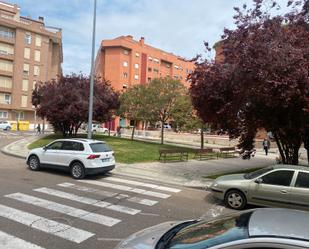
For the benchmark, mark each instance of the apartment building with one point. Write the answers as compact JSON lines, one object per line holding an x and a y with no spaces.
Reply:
{"x":30,"y":52}
{"x":126,"y":62}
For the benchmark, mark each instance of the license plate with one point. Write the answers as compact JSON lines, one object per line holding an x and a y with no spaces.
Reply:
{"x":105,"y":160}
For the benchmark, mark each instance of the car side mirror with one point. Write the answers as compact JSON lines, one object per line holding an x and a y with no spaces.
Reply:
{"x":258,"y":181}
{"x":45,"y":148}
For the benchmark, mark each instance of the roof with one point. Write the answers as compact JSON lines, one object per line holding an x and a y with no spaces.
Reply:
{"x":279,"y":223}
{"x":84,"y":140}
{"x":294,"y":167}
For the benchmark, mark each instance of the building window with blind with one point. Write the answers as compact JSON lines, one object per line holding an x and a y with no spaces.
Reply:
{"x":38,"y":40}
{"x":28,"y":38}
{"x":125,"y":64}
{"x":6,"y":65}
{"x":4,"y":114}
{"x":5,"y":98}
{"x":6,"y":32}
{"x":5,"y":82}
{"x":27,"y":53}
{"x":24,"y":101}
{"x":26,"y":69}
{"x":6,"y":49}
{"x":36,"y":71}
{"x":20,"y":116}
{"x":25,"y":85}
{"x":37,"y":55}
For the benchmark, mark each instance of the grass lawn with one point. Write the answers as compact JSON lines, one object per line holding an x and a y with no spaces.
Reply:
{"x":126,"y":151}
{"x":235,"y":172}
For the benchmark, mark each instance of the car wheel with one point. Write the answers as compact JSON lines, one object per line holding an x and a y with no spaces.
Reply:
{"x":235,"y":199}
{"x":34,"y":163}
{"x":77,"y":170}
{"x":8,"y":128}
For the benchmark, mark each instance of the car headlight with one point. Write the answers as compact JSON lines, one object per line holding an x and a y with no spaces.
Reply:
{"x":215,"y":185}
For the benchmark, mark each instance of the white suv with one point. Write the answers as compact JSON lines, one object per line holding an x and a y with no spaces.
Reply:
{"x":79,"y":156}
{"x":5,"y":125}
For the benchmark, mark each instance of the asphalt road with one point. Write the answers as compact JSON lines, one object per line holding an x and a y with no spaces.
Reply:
{"x":36,"y":210}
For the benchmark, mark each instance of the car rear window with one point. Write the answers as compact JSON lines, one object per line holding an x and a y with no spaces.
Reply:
{"x":100,"y":147}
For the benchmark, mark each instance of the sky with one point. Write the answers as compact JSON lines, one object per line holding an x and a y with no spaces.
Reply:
{"x":176,"y":26}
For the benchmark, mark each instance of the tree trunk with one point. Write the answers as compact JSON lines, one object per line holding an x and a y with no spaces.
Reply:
{"x":133,"y":131}
{"x":202,"y":138}
{"x":162,"y":132}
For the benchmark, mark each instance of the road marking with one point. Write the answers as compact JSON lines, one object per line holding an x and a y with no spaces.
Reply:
{"x":12,"y":242}
{"x":146,"y":202}
{"x":126,"y":188}
{"x":89,"y":201}
{"x":142,"y":184}
{"x":64,"y":209}
{"x":45,"y":225}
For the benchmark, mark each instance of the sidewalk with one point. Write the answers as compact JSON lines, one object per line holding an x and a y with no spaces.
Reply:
{"x":189,"y":174}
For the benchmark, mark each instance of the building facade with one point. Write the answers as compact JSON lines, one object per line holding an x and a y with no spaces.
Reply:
{"x":126,"y":62}
{"x":29,"y":52}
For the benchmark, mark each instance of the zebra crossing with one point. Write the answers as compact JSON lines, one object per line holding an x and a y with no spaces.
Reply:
{"x":140,"y":194}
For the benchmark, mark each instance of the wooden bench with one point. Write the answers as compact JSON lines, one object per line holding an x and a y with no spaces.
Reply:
{"x":205,"y":154}
{"x":173,"y":155}
{"x":227,"y":152}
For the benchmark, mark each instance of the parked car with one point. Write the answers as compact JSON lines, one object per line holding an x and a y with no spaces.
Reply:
{"x":275,"y":186}
{"x":5,"y":125}
{"x":258,"y":228}
{"x":98,"y":128}
{"x":79,"y":156}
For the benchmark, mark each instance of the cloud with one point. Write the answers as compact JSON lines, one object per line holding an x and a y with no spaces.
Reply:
{"x":177,"y":26}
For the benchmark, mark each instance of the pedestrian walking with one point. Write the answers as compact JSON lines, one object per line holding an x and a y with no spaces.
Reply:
{"x":266,"y":145}
{"x":38,"y":129}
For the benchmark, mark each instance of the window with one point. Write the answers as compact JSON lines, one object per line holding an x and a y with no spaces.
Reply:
{"x":69,"y":145}
{"x":37,"y":55}
{"x":25,"y":85}
{"x":7,"y":32}
{"x":28,"y":38}
{"x":156,"y":70}
{"x":150,"y":58}
{"x":126,"y":51}
{"x":27,"y":53}
{"x":5,"y":98}
{"x":99,"y":147}
{"x":33,"y":84}
{"x":280,"y":177}
{"x":55,"y":146}
{"x":6,"y":65}
{"x":168,"y":65}
{"x":36,"y":71}
{"x":136,"y":54}
{"x":5,"y":82}
{"x":124,"y":86}
{"x":149,"y":69}
{"x":136,"y":77}
{"x":125,"y":75}
{"x":24,"y":101}
{"x":156,"y":60}
{"x":149,"y":79}
{"x":20,"y":116}
{"x":302,"y":180}
{"x":136,"y":66}
{"x":125,"y":64}
{"x":4,"y":114}
{"x":38,"y":40}
{"x":26,"y":69}
{"x":6,"y":48}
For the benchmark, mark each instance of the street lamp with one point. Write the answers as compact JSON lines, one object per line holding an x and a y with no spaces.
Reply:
{"x":92,"y":74}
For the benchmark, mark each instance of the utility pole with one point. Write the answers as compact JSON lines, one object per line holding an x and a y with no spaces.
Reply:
{"x":90,"y":111}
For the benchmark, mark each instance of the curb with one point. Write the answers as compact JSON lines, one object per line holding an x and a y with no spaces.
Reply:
{"x":5,"y":151}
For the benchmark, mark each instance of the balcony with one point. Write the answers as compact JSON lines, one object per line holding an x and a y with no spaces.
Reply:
{"x":6,"y":56}
{"x":5,"y":90}
{"x":6,"y":73}
{"x":7,"y":39}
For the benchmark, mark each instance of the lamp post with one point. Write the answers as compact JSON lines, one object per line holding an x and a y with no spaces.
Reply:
{"x":90,"y":111}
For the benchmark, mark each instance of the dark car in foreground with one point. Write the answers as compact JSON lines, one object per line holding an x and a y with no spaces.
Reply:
{"x":258,"y":228}
{"x":275,"y":186}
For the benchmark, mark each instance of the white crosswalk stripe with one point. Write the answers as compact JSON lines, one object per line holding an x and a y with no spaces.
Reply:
{"x":45,"y":225}
{"x":12,"y":242}
{"x":146,"y":202}
{"x":126,"y":188}
{"x":142,"y":184}
{"x":64,"y":209}
{"x":89,"y":201}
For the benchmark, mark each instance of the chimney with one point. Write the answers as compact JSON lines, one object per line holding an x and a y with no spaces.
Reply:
{"x":41,"y":18}
{"x":142,"y":40}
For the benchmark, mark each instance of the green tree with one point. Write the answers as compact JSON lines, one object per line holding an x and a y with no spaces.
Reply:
{"x":132,"y":105}
{"x":162,"y":98}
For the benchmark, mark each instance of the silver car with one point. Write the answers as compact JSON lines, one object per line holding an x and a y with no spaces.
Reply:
{"x":259,"y":229}
{"x":275,"y":186}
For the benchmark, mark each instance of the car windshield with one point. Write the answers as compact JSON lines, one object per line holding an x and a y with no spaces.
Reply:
{"x":100,"y":147}
{"x":257,"y":173}
{"x":207,"y":234}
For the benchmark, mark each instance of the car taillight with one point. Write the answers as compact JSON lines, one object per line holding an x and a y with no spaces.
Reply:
{"x":93,"y":156}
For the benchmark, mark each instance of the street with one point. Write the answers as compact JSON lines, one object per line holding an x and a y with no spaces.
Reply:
{"x":51,"y":210}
